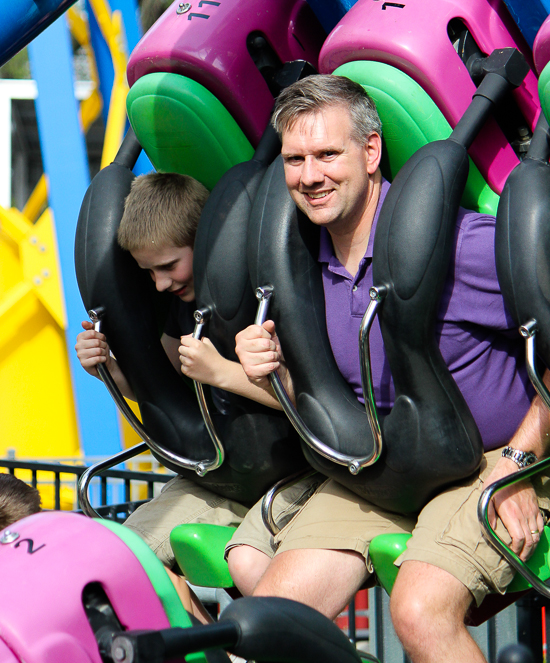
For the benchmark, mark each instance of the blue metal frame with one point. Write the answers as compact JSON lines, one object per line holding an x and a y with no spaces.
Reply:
{"x":528,"y":16}
{"x":23,"y":20}
{"x":66,"y":164}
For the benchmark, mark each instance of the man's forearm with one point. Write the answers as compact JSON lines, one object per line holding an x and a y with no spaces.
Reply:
{"x":533,"y":434}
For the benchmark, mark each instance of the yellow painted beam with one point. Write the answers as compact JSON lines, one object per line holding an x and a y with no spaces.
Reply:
{"x":41,"y":267}
{"x":14,"y":224}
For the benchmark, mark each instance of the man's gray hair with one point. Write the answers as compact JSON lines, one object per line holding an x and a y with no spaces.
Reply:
{"x":315,"y":93}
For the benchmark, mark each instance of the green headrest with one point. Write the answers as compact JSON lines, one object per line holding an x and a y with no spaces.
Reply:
{"x":184,"y":129}
{"x":410,"y":119}
{"x":544,"y":91}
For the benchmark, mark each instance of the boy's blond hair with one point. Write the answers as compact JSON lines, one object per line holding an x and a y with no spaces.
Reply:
{"x":17,"y":500}
{"x":161,"y":209}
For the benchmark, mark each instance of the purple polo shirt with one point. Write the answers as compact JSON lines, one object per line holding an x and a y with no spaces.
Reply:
{"x":477,"y":336}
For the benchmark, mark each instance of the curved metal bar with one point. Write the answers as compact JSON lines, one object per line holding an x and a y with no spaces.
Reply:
{"x":529,"y":331}
{"x":377,"y":295}
{"x":491,"y":535}
{"x":201,"y":318}
{"x":94,"y":470}
{"x":269,"y":498}
{"x":135,"y":423}
{"x":353,"y":463}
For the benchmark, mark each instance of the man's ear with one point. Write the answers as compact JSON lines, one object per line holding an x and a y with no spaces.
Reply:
{"x":373,"y":148}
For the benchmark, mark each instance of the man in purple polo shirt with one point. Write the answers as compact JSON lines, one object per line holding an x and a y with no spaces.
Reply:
{"x":477,"y":337}
{"x":331,"y":148}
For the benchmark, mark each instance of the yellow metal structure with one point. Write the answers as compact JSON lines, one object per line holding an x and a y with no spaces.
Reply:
{"x":36,"y":405}
{"x":37,"y":408}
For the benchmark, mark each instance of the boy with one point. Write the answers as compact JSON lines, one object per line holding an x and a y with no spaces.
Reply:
{"x":158,"y":227}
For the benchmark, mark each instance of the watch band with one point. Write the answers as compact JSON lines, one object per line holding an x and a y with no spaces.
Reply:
{"x":521,"y":458}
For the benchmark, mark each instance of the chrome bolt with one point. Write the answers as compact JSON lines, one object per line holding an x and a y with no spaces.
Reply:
{"x":9,"y":536}
{"x":119,"y":654}
{"x":354,"y":467}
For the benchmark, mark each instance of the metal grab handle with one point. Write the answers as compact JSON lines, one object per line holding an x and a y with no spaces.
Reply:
{"x":377,"y":295}
{"x":493,"y":538}
{"x":529,"y":331}
{"x":269,"y":498}
{"x":353,"y":463}
{"x":94,"y":470}
{"x":201,"y":318}
{"x":135,"y":423}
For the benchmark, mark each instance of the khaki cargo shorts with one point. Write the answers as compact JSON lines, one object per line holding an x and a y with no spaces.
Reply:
{"x":181,"y":501}
{"x":446,"y":533}
{"x":252,"y":531}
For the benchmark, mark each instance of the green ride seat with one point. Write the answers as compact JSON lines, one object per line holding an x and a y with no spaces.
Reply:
{"x":544,"y":91}
{"x":386,"y":548}
{"x":199,"y":551}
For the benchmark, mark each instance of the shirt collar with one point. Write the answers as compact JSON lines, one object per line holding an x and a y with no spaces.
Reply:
{"x":326,"y":250}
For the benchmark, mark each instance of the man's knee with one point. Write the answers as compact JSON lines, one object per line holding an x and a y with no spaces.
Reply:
{"x":427,"y":601}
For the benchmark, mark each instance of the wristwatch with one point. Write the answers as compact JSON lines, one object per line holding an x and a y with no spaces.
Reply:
{"x":521,"y":458}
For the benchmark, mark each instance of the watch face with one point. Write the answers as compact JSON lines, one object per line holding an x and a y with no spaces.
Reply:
{"x":521,"y":458}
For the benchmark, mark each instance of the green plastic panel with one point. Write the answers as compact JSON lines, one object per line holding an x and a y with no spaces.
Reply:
{"x":199,"y":550}
{"x":539,"y":563}
{"x":183,"y":128}
{"x":544,"y":91}
{"x":177,"y":615}
{"x":383,"y":551}
{"x":386,"y":548}
{"x":410,"y":119}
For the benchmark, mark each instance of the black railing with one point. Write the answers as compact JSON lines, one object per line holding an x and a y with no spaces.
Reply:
{"x":107,"y":478}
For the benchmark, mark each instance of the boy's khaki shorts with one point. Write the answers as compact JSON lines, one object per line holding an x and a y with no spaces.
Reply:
{"x":182,"y":501}
{"x":446,"y":533}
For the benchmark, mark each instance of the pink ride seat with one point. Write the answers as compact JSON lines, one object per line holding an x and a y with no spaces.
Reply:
{"x":214,"y":45}
{"x":47,"y":562}
{"x":415,"y":38}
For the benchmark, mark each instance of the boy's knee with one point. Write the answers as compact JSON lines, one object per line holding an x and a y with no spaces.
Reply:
{"x":246,"y":566}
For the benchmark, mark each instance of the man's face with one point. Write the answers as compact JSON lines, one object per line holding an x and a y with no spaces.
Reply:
{"x":327,"y":173}
{"x":170,"y":267}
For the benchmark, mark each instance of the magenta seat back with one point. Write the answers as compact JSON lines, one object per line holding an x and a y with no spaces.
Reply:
{"x":414,"y":38}
{"x":208,"y":44}
{"x":42,"y":575}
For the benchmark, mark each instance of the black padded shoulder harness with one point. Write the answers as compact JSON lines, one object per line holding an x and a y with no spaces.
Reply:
{"x":259,"y":443}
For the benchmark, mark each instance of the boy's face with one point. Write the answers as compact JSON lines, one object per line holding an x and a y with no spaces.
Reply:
{"x":170,"y":267}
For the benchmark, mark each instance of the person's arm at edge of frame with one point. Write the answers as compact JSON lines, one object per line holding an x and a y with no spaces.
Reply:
{"x":517,"y":505}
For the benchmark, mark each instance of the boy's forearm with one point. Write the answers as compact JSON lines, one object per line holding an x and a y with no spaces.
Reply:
{"x":120,"y":380}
